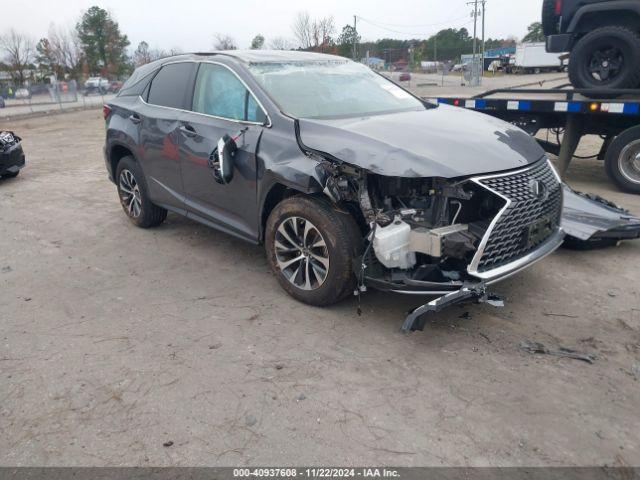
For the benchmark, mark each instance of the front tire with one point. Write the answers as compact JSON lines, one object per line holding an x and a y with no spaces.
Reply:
{"x":134,"y":195}
{"x":622,"y":160}
{"x":10,"y":175}
{"x":311,"y":248}
{"x":606,"y":58}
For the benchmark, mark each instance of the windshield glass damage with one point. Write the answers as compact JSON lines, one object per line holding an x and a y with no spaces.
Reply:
{"x":331,"y":89}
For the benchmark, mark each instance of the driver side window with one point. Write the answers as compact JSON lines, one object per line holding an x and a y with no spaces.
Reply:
{"x":220,"y":93}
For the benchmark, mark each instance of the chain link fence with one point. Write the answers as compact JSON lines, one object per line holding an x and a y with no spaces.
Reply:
{"x":45,"y":97}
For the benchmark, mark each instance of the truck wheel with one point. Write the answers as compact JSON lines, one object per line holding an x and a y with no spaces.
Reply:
{"x":606,"y":58}
{"x":311,"y":248}
{"x":622,"y":161}
{"x":134,"y":197}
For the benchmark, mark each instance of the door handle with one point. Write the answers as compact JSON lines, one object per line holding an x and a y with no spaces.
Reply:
{"x":135,"y":119}
{"x":188,"y":130}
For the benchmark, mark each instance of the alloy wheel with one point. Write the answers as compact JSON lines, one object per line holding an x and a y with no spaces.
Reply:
{"x":629,"y":162}
{"x":130,"y":193}
{"x":301,"y":253}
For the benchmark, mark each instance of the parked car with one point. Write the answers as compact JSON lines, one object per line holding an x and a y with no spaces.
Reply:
{"x":22,"y":93}
{"x":405,"y":77}
{"x":96,"y":85}
{"x":602,"y":36}
{"x":12,"y":157}
{"x":346,"y":178}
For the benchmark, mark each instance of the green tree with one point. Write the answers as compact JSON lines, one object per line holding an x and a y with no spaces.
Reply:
{"x":257,"y":43}
{"x":46,"y":58}
{"x":535,"y":33}
{"x":346,"y":39}
{"x":103,"y":46}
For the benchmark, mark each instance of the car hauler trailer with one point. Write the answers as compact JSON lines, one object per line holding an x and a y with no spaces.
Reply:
{"x":614,"y":115}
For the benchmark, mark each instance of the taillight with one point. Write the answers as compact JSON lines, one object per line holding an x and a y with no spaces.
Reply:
{"x":106,"y":110}
{"x":558,"y":9}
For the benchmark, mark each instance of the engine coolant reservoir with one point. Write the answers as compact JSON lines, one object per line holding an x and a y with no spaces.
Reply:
{"x":391,"y":245}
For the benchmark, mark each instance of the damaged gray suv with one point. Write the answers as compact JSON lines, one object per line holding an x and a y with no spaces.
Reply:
{"x":347,"y":179}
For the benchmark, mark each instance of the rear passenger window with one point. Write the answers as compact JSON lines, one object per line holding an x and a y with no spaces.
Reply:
{"x":171,"y":86}
{"x":220,"y":93}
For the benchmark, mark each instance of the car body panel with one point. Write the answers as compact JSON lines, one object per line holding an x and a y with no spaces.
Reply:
{"x":445,"y":142}
{"x":232,"y":205}
{"x":587,"y":217}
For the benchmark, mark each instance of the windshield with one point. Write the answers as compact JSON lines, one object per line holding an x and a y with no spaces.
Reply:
{"x":331,"y":89}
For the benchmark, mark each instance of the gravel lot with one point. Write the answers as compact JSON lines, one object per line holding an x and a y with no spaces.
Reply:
{"x":116,"y":340}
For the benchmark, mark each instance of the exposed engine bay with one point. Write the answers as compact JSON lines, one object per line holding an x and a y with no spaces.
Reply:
{"x":433,"y":232}
{"x":453,"y":237}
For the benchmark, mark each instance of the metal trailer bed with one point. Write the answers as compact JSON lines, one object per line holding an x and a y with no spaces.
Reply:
{"x":612,"y":114}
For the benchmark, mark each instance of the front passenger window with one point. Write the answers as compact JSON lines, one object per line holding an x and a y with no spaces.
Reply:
{"x":220,"y":93}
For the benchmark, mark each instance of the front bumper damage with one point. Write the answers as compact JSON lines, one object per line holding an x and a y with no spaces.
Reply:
{"x":416,"y":319}
{"x":592,"y":221}
{"x":588,"y":221}
{"x":449,"y":240}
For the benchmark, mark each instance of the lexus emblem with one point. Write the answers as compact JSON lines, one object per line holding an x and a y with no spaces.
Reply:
{"x":539,"y":189}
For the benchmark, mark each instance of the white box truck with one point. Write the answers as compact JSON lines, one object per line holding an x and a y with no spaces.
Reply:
{"x":533,"y":58}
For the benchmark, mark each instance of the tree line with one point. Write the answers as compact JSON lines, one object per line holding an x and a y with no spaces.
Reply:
{"x":96,"y":46}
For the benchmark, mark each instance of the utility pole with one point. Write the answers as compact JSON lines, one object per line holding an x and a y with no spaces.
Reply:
{"x":435,"y":47}
{"x":355,"y":36}
{"x":474,"y":64}
{"x":475,"y":28}
{"x":483,"y":13}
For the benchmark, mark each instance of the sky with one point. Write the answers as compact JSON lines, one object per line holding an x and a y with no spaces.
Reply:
{"x":190,"y":25}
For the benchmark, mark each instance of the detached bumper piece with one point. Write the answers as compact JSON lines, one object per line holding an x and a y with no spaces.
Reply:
{"x":591,"y":221}
{"x":11,"y":155}
{"x":416,"y":320}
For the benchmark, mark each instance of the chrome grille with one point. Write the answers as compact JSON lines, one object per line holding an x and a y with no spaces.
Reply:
{"x":530,"y":218}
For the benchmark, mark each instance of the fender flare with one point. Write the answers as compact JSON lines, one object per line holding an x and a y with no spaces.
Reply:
{"x":615,"y":6}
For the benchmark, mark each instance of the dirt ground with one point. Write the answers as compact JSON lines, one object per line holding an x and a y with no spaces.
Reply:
{"x":116,"y":340}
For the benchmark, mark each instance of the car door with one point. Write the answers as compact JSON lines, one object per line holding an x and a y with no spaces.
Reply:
{"x":168,"y":95}
{"x":222,"y":105}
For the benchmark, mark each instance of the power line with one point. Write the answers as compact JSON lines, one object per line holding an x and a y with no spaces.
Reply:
{"x":410,"y":33}
{"x":403,"y":25}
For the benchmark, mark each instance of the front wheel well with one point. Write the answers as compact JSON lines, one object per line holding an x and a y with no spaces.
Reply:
{"x":277,"y":193}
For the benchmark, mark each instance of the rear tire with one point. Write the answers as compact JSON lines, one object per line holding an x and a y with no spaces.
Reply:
{"x":622,"y":160}
{"x":134,"y":195}
{"x":606,"y":58}
{"x":10,"y":175}
{"x":307,"y":237}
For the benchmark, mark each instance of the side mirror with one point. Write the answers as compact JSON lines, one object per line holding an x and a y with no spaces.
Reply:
{"x":222,"y":157}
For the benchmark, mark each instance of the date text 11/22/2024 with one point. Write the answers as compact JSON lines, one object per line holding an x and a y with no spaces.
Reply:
{"x":371,"y":472}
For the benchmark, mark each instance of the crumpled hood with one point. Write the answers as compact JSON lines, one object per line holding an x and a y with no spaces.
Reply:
{"x":443,"y":142}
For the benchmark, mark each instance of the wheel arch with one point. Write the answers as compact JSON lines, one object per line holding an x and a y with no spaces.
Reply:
{"x":623,"y":13}
{"x":276,"y":193}
{"x":117,"y":151}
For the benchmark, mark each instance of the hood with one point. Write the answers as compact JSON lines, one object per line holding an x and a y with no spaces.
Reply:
{"x":443,"y":142}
